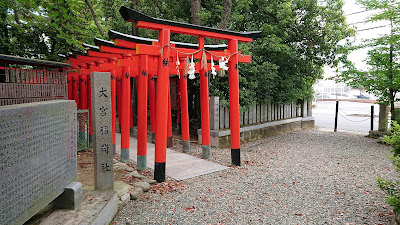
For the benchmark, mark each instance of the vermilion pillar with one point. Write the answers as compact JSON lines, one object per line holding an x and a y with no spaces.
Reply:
{"x":205,"y":117}
{"x":113,"y":61}
{"x":131,"y":112}
{"x":162,"y":106}
{"x":119,"y":94}
{"x":83,"y":96}
{"x":125,"y":110}
{"x":169,"y":124}
{"x":184,"y":112}
{"x":234,"y":112}
{"x":69,"y":83}
{"x":142,"y":114}
{"x":75,"y":96}
{"x":89,"y":101}
{"x":152,"y":102}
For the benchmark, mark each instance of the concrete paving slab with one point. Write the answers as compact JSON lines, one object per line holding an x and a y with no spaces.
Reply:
{"x":179,"y":166}
{"x":97,"y":208}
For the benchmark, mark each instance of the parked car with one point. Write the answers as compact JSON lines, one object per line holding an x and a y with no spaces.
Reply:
{"x":361,"y":96}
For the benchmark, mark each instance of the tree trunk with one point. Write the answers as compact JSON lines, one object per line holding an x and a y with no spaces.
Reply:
{"x":391,"y":91}
{"x":226,"y":14}
{"x":195,"y":6}
{"x":95,"y":17}
{"x":16,"y":15}
{"x":135,"y":30}
{"x":392,"y":109}
{"x":3,"y":16}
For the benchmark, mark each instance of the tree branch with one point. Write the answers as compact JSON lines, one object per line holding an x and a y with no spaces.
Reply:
{"x":94,"y":17}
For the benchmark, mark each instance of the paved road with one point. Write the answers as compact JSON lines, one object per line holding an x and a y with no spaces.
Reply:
{"x":353,"y":116}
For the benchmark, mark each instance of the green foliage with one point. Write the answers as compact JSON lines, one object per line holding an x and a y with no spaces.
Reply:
{"x":392,"y":189}
{"x":394,"y":138}
{"x":382,"y":77}
{"x":38,"y":29}
{"x":298,"y":37}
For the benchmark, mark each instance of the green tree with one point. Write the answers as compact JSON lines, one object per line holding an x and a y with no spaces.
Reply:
{"x":41,"y":29}
{"x":382,"y":77}
{"x":298,"y":38}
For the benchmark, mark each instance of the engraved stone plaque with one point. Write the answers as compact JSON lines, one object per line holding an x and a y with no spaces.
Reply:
{"x":102,"y":143}
{"x":37,"y":156}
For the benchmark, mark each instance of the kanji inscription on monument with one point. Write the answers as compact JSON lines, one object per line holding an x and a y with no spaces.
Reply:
{"x":102,"y":143}
{"x":37,"y":156}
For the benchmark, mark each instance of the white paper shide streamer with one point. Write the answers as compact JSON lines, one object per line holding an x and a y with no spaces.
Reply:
{"x":192,"y":70}
{"x":177,"y":65}
{"x":222,"y":63}
{"x":213,"y":70}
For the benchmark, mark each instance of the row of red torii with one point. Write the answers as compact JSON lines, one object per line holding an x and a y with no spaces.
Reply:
{"x":130,"y":56}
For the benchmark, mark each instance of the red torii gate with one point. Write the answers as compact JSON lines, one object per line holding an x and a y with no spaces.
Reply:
{"x":142,"y":106}
{"x":163,"y":79}
{"x":165,"y":27}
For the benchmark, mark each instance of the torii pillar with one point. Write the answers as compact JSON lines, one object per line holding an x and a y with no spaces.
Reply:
{"x":184,"y":112}
{"x":125,"y":110}
{"x":113,"y":60}
{"x":162,"y":106}
{"x":234,"y":113}
{"x":205,"y":117}
{"x":142,"y":113}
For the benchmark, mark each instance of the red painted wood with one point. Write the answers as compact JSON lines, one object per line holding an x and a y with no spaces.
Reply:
{"x":184,"y":107}
{"x":89,"y":97}
{"x":204,"y":102}
{"x":125,"y":106}
{"x":142,"y":106}
{"x":113,"y":61}
{"x":125,"y":44}
{"x":82,"y":82}
{"x":69,"y":83}
{"x":75,"y":81}
{"x":153,"y":50}
{"x":234,"y":113}
{"x":116,"y":50}
{"x":104,"y":54}
{"x":188,"y":31}
{"x":162,"y":99}
{"x":152,"y":102}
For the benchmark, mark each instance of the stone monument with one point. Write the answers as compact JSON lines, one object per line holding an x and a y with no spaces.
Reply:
{"x":102,"y":130}
{"x":37,"y":159}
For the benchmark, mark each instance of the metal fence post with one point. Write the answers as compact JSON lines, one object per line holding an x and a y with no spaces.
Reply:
{"x":336,"y":115}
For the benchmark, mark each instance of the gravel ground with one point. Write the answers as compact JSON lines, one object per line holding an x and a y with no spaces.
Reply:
{"x":302,"y":177}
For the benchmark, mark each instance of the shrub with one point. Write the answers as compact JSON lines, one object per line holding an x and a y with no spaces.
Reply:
{"x":392,"y":189}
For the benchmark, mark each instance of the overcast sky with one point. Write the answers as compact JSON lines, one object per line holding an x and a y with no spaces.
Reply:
{"x":355,"y":16}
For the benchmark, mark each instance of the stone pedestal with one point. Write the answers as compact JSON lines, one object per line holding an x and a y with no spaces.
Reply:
{"x":70,"y":198}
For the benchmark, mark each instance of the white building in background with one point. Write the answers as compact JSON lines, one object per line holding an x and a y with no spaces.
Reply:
{"x":356,"y":16}
{"x":329,"y":89}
